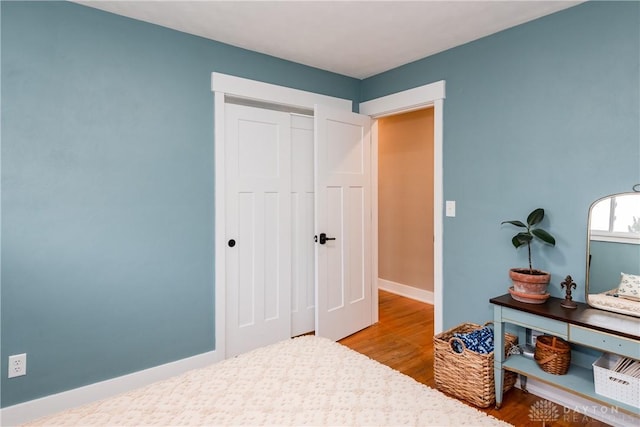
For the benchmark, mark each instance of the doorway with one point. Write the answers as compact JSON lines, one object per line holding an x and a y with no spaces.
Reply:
{"x":405,"y":204}
{"x":271,"y":158}
{"x":430,"y":95}
{"x":270,"y":222}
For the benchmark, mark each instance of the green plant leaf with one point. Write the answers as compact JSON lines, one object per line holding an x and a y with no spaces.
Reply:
{"x":535,"y":217}
{"x":516,"y":223}
{"x":544,"y":236}
{"x":516,"y":242}
{"x":524,"y":238}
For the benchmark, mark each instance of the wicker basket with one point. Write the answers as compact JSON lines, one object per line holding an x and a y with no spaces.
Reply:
{"x":468,"y":375}
{"x":553,"y":354}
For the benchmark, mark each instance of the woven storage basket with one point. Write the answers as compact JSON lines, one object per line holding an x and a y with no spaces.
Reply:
{"x":553,"y":354}
{"x":468,"y":375}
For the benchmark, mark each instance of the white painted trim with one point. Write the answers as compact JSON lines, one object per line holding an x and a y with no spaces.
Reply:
{"x":432,"y":94}
{"x":615,"y":237}
{"x":421,"y":295}
{"x":33,"y":409}
{"x":579,"y":404}
{"x":219,"y":210}
{"x":375,"y":311}
{"x":222,"y":85}
{"x":438,"y":215}
{"x":405,"y":101}
{"x":273,"y":94}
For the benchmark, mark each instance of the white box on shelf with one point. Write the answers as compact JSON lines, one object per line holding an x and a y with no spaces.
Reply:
{"x":615,"y":385}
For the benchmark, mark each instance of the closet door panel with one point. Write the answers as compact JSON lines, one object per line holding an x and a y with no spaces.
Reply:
{"x":302,"y":217}
{"x":258,"y":216}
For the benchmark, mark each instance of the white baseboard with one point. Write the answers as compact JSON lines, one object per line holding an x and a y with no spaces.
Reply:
{"x":587,"y":408}
{"x":406,"y":291}
{"x":33,"y":409}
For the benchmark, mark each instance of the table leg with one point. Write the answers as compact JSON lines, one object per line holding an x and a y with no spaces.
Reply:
{"x":523,"y":383}
{"x":498,"y":353}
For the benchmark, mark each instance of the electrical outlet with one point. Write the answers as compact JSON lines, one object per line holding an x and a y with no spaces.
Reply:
{"x":17,"y":365}
{"x":534,"y":337}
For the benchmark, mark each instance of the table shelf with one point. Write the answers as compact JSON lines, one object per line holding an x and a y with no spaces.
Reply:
{"x":578,"y":380}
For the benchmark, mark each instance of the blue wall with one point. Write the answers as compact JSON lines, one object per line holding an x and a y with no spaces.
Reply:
{"x":107,"y":190}
{"x":608,"y":261}
{"x":546,"y":114}
{"x":107,"y":171}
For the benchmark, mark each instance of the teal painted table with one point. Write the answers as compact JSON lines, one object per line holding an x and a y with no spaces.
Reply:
{"x":584,"y":326}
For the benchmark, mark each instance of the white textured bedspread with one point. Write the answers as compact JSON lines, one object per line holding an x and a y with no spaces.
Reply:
{"x":302,"y":381}
{"x":607,"y":301}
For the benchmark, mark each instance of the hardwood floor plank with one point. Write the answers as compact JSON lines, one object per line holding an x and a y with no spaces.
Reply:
{"x":403,"y":340}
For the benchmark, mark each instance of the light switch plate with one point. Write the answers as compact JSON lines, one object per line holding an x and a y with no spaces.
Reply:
{"x":450,"y":208}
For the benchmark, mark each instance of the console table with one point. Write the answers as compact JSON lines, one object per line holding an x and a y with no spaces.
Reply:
{"x":585,"y":326}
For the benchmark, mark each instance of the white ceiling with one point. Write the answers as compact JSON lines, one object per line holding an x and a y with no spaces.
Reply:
{"x":354,"y":38}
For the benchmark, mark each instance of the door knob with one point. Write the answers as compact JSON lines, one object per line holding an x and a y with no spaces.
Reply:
{"x":324,"y":238}
{"x":231,"y":243}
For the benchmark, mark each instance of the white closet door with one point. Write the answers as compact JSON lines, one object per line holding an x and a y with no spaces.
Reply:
{"x":302,"y":201}
{"x":258,"y":217}
{"x":343,"y":213}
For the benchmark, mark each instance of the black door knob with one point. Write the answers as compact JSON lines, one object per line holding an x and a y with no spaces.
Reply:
{"x":324,"y":238}
{"x":231,"y":243}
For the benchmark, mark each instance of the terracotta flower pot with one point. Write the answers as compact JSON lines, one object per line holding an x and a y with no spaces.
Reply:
{"x":527,"y":283}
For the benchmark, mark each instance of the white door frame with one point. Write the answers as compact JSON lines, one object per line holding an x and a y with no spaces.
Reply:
{"x":432,"y":94}
{"x":224,"y":85}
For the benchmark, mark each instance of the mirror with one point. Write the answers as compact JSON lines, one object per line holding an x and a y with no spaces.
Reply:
{"x":613,"y":254}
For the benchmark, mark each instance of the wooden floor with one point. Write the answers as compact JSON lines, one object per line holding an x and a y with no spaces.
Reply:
{"x":403,"y":340}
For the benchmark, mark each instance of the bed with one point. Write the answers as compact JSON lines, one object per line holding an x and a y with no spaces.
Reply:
{"x":302,"y":381}
{"x":610,"y":301}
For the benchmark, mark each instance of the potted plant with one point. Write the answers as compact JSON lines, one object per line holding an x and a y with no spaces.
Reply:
{"x":530,"y":282}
